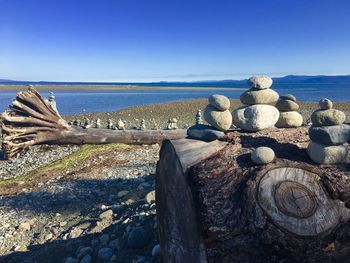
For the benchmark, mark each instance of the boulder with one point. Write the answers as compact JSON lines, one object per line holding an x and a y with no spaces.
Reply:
{"x":327,"y":117}
{"x":330,"y":135}
{"x":325,"y":104}
{"x":288,"y":97}
{"x":324,"y":154}
{"x":257,"y":96}
{"x":263,"y":155}
{"x":255,"y":117}
{"x":221,"y":120}
{"x":219,"y":102}
{"x":289,"y":119}
{"x":286,"y":105}
{"x":204,"y":133}
{"x":260,"y":82}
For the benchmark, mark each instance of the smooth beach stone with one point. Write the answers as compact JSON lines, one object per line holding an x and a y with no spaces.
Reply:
{"x":262,"y":155}
{"x":289,"y":119}
{"x":221,"y":120}
{"x":287,"y":105}
{"x":256,"y":96}
{"x":255,"y":117}
{"x":327,"y":117}
{"x":204,"y":133}
{"x":260,"y":82}
{"x":288,"y":97}
{"x":324,"y":154}
{"x":325,"y":104}
{"x":219,"y":102}
{"x":330,"y":135}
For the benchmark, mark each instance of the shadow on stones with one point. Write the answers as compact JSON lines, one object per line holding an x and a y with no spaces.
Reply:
{"x":84,"y":199}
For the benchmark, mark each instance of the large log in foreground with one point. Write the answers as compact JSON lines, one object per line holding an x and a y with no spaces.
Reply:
{"x":33,"y":120}
{"x":224,"y":208}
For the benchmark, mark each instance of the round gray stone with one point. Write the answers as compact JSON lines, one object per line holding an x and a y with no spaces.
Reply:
{"x":255,"y":117}
{"x":156,"y":251}
{"x":263,"y":155}
{"x":219,"y":102}
{"x":221,"y":120}
{"x":289,"y":119}
{"x":86,"y":259}
{"x":330,"y":135}
{"x":105,"y":253}
{"x":204,"y":133}
{"x":327,"y":117}
{"x":138,"y":238}
{"x":324,"y":154}
{"x":287,"y":105}
{"x":288,"y":97}
{"x":256,"y":96}
{"x":325,"y":104}
{"x":260,"y":82}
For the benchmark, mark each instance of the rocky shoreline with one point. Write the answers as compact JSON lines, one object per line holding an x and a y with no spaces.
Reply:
{"x":100,"y":209}
{"x":91,"y":203}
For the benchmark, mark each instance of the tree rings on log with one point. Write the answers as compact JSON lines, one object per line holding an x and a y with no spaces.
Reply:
{"x":295,"y":201}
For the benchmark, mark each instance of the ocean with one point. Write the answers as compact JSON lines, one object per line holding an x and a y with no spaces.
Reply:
{"x":73,"y":102}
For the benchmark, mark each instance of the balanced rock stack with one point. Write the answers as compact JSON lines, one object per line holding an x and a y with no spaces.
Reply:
{"x":289,"y":115}
{"x":258,"y":114}
{"x":329,"y":135}
{"x":219,"y":117}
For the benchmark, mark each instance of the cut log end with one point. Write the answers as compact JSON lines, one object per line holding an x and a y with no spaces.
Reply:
{"x":296,"y":202}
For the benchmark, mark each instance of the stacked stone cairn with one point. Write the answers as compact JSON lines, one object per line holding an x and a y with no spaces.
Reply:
{"x":98,"y":123}
{"x":289,"y":115}
{"x":199,"y":117}
{"x":143,"y":125}
{"x":258,"y":112}
{"x":120,"y":125}
{"x":329,"y":135}
{"x":172,"y":124}
{"x":218,"y":116}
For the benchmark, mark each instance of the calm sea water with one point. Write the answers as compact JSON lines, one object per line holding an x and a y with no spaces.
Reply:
{"x":71,"y":102}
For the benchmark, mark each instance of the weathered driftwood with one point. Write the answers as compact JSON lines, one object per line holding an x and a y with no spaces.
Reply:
{"x":33,"y":120}
{"x":225,"y":208}
{"x":180,"y":236}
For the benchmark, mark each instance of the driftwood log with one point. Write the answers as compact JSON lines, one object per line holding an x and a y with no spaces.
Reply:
{"x":33,"y":120}
{"x":215,"y":205}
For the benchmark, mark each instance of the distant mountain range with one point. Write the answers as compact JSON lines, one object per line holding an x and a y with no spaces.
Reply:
{"x":292,"y":79}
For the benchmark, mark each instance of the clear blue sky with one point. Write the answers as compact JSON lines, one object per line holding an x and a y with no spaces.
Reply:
{"x":153,"y":40}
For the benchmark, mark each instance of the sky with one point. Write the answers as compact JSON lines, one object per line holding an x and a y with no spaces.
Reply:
{"x":184,"y":40}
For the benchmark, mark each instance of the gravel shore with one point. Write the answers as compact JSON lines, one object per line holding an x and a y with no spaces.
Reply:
{"x":184,"y":111}
{"x":101,"y":206}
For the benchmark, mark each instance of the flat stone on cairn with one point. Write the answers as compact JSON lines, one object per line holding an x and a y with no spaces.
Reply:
{"x":259,"y":96}
{"x":204,"y":133}
{"x":259,"y":114}
{"x":328,"y":135}
{"x":289,"y":117}
{"x":328,"y":117}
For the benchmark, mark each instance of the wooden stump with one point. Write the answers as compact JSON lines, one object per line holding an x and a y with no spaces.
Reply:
{"x":225,"y":208}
